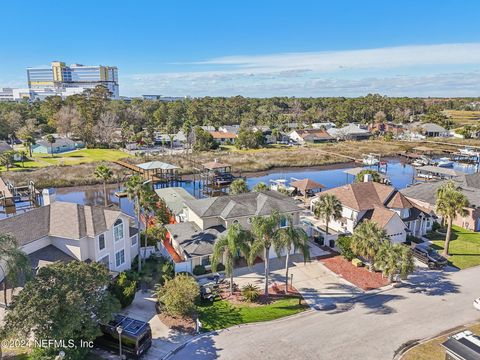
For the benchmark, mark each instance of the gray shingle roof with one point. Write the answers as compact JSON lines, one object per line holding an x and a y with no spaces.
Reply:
{"x":60,"y":219}
{"x":58,"y":142}
{"x":4,"y":146}
{"x":193,"y":240}
{"x":469,"y":185}
{"x":174,"y":198}
{"x":248,"y":204}
{"x":48,"y":255}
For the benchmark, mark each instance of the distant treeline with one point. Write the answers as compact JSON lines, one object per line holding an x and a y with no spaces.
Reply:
{"x":93,"y":117}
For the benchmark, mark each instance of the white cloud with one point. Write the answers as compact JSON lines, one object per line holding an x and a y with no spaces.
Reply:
{"x":426,"y":70}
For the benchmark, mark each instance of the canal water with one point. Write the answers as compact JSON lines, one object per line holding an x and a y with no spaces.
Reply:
{"x":400,"y":175}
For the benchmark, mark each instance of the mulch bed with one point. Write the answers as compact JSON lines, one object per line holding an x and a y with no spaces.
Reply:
{"x":186,"y":325}
{"x":360,"y":277}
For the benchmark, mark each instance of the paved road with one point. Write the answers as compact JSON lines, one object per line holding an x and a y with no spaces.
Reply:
{"x":371,"y":328}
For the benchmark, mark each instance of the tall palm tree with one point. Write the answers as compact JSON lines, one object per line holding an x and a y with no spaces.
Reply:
{"x":229,"y":247}
{"x":238,"y":186}
{"x":394,"y":259}
{"x":366,"y":240}
{"x":104,"y":173}
{"x":288,"y":239}
{"x":450,"y":204}
{"x":264,"y":229}
{"x":134,"y":186}
{"x":14,"y":263}
{"x":148,"y":203}
{"x":328,"y":207}
{"x":28,"y":143}
{"x":51,"y":140}
{"x":261,"y":186}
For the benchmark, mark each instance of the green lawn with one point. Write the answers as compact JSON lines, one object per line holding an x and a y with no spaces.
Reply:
{"x":464,"y":247}
{"x":222,"y":314}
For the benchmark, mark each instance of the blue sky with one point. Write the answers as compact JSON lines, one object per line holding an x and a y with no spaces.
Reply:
{"x":253,"y":48}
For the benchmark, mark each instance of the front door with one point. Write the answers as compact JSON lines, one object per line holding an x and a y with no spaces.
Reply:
{"x":331,"y":243}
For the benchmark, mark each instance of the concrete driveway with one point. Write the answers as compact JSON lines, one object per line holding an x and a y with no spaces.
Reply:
{"x":321,"y":288}
{"x":163,"y":339}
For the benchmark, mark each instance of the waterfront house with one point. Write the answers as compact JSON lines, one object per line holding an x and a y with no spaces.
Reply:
{"x":386,"y":127}
{"x":223,"y":137}
{"x":323,"y":125}
{"x":425,"y":195}
{"x":60,"y":145}
{"x":171,"y":140}
{"x":349,"y":132}
{"x":4,"y":147}
{"x":64,"y":231}
{"x":310,"y":135}
{"x":375,"y":202}
{"x":234,"y":129}
{"x":207,"y":220}
{"x":417,"y":129}
{"x":175,"y":198}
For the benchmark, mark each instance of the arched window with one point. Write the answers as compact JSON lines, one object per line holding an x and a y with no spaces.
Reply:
{"x":118,"y":230}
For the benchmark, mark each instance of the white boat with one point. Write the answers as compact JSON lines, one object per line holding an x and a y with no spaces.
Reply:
{"x":422,"y":161}
{"x":468,"y":151}
{"x":370,"y":160}
{"x":281,"y":185}
{"x":445,"y":162}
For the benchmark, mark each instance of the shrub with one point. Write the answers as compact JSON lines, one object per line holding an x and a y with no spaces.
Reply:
{"x":436,"y":226}
{"x":344,"y":245}
{"x":178,"y":295}
{"x":124,"y":289}
{"x":357,"y":262}
{"x":250,"y":292}
{"x":220,"y":267}
{"x":199,"y":270}
{"x":414,"y":239}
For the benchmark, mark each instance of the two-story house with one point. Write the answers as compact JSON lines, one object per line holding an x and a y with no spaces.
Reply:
{"x":63,"y":231}
{"x":376,"y":202}
{"x":208,"y":219}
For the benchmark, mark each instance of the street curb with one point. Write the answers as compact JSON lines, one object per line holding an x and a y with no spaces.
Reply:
{"x":216,"y":332}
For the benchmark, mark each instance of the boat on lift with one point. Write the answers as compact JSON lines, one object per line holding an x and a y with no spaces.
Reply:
{"x":421,"y":161}
{"x":281,"y":185}
{"x":370,"y":160}
{"x":468,"y":151}
{"x":445,"y":162}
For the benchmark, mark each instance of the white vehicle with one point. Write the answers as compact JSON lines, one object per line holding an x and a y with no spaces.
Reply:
{"x":476,"y":304}
{"x":370,"y":159}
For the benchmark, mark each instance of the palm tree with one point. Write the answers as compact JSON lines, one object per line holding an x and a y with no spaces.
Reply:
{"x":104,"y":173}
{"x":450,"y":204}
{"x":28,"y":143}
{"x":264,"y":229}
{"x":366,"y":240}
{"x":134,"y":187}
{"x":148,"y":203}
{"x":394,"y":259}
{"x":228,"y":248}
{"x":261,"y":186}
{"x":328,"y":207}
{"x":51,"y":140}
{"x":14,"y":263}
{"x":238,"y":186}
{"x":289,"y":238}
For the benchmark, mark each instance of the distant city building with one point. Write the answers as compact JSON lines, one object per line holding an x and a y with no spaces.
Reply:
{"x":162,"y":98}
{"x":61,"y":77}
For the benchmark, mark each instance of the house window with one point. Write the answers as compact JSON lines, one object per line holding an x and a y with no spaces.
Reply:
{"x":283,"y":222}
{"x":206,"y":260}
{"x":134,"y":240}
{"x":118,"y":230}
{"x":119,"y":258}
{"x":101,"y":242}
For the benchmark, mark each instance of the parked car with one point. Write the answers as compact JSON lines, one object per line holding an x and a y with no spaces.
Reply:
{"x":136,"y":336}
{"x":430,"y":257}
{"x":476,"y":304}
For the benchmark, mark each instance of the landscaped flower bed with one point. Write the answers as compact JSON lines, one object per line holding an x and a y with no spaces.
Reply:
{"x":358,"y":276}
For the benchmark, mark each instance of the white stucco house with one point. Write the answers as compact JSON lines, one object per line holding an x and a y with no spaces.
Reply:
{"x":64,"y":231}
{"x":376,"y":202}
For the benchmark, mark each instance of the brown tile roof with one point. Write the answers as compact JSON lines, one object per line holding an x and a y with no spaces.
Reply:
{"x":313,"y":134}
{"x":223,"y":135}
{"x":306,"y":184}
{"x":363,"y":195}
{"x":379,"y":215}
{"x":398,"y":201}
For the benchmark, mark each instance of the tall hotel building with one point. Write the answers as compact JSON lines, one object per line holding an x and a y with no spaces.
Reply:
{"x":73,"y":79}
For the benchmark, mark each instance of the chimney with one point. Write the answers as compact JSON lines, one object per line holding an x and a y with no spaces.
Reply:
{"x":48,"y":196}
{"x":367,"y":177}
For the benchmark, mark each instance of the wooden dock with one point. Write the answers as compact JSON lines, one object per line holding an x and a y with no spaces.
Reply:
{"x":6,"y":196}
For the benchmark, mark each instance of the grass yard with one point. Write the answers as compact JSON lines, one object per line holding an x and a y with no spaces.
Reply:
{"x":81,"y":156}
{"x":432,"y":349}
{"x":222,"y":314}
{"x":464,"y":247}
